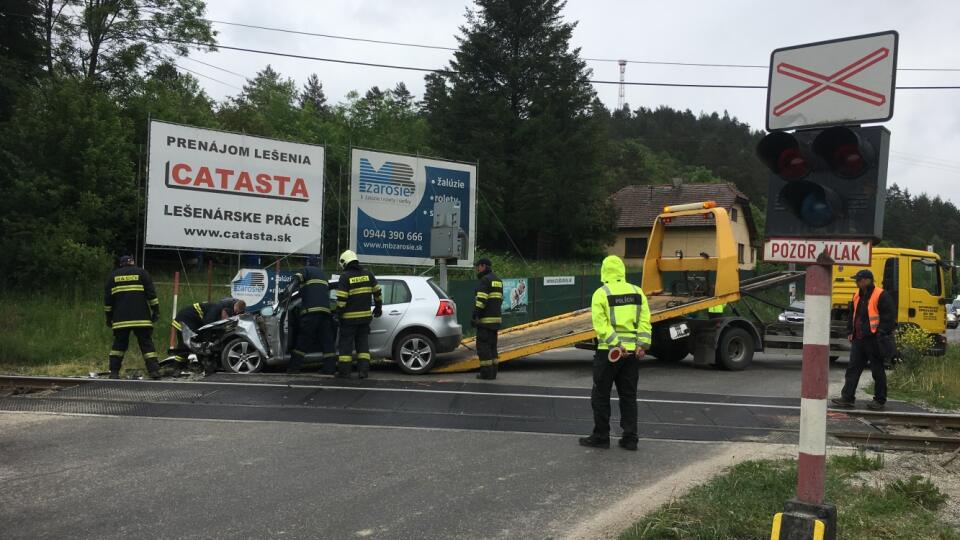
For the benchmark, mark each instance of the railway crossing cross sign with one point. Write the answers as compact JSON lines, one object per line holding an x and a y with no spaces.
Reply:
{"x":838,"y":82}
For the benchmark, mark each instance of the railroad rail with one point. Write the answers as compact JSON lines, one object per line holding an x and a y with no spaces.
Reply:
{"x":894,"y":441}
{"x":910,"y":419}
{"x":34,"y":383}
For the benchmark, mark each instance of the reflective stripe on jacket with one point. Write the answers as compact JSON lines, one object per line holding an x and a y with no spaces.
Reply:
{"x":314,"y":290}
{"x":488,"y":301}
{"x":621,"y":314}
{"x":129,"y":298}
{"x":873,"y":308}
{"x":357,"y":288}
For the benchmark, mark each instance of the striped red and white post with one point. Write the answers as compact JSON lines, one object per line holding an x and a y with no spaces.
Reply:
{"x":811,"y":464}
{"x":176,"y":293}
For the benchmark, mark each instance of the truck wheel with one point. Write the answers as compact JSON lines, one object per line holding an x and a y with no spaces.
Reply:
{"x":736,"y":349}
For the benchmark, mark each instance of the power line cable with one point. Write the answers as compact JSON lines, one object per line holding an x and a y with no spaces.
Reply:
{"x":445,"y":48}
{"x":197,"y":73}
{"x":450,"y":72}
{"x":217,"y":67}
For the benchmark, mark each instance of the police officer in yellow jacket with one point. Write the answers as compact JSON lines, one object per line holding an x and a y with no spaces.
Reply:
{"x":357,"y":288}
{"x":131,"y":305}
{"x":621,"y":318}
{"x":487,"y":318}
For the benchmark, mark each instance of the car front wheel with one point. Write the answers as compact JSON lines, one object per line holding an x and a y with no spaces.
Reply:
{"x":416,"y":354}
{"x":240,"y":356}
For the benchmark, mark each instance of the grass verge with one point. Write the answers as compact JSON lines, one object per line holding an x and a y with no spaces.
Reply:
{"x":931,"y":380}
{"x":64,"y":333}
{"x":740,"y":504}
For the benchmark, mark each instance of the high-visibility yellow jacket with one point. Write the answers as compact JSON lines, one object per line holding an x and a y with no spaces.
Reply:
{"x":621,"y":314}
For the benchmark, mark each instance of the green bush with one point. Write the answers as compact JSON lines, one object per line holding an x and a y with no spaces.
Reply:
{"x":912,"y":342}
{"x":921,"y":491}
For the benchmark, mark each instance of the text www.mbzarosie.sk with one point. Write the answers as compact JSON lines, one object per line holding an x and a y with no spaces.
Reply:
{"x":238,"y":235}
{"x":392,"y":246}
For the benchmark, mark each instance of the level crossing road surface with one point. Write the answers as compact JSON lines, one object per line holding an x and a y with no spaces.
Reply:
{"x":390,"y":457}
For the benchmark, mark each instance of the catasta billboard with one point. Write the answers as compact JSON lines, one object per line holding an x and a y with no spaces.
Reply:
{"x":215,"y":190}
{"x":391,"y":205}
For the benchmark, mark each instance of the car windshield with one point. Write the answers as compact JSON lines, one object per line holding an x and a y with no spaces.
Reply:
{"x":796,"y":306}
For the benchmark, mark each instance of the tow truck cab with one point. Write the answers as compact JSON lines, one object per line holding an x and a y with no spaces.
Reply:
{"x":914,"y":278}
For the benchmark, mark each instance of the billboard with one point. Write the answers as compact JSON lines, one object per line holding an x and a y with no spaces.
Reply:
{"x":211,"y":189}
{"x":391,"y":205}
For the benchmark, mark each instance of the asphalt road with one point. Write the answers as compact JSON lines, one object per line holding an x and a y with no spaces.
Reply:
{"x":769,"y":375}
{"x":123,"y":477}
{"x":143,"y":477}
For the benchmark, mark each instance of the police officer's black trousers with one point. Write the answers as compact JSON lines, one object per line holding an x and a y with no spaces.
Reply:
{"x":487,"y":351}
{"x":121,"y":340}
{"x":314,"y":333}
{"x":863,"y":352}
{"x":625,"y":373}
{"x":354,"y":337}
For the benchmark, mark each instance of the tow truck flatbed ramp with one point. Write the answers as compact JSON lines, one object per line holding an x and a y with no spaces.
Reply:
{"x":576,"y":326}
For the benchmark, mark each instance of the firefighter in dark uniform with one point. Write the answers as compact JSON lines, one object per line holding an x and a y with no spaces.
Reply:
{"x":315,"y":330}
{"x":130,"y":304}
{"x":199,"y":314}
{"x":355,"y":289}
{"x":486,"y":317}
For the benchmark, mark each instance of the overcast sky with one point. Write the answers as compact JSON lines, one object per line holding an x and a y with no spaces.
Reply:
{"x":925,"y":127}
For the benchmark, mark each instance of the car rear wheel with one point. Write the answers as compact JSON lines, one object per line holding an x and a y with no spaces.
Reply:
{"x":416,"y":354}
{"x":736,"y":349}
{"x":240,"y":356}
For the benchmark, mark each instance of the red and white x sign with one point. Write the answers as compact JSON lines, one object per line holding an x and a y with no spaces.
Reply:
{"x":845,"y":81}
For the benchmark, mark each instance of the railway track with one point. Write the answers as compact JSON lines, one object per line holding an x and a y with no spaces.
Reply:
{"x":23,"y":384}
{"x":913,"y":431}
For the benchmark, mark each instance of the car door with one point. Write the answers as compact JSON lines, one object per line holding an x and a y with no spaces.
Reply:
{"x":396,"y":301}
{"x":926,"y":289}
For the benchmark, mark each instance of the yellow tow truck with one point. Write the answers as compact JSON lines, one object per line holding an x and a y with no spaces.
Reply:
{"x":915,"y":280}
{"x":729,"y":342}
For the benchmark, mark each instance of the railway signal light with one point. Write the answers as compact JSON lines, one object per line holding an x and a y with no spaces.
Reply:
{"x":827,"y":183}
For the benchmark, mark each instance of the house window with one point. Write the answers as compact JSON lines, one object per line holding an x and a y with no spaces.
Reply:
{"x":753,"y":255}
{"x":733,"y":214}
{"x":740,"y":252}
{"x":635,"y":248}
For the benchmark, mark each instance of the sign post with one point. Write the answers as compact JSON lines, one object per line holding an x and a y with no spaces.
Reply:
{"x":825,"y":206}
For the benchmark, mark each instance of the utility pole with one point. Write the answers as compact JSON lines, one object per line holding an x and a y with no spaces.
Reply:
{"x":621,"y":99}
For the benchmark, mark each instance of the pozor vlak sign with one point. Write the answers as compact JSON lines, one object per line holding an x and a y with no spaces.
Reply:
{"x":391,"y":205}
{"x":225,"y":191}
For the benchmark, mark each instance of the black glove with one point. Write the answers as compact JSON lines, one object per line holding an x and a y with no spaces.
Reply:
{"x":109,"y":322}
{"x":154,"y":315}
{"x":377,"y":311}
{"x":473,"y":322}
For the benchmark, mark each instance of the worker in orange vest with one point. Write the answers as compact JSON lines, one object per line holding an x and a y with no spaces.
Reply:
{"x":872,"y":319}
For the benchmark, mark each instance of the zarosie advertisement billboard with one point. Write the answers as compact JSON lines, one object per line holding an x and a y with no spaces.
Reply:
{"x":226,"y":191}
{"x":391,"y":205}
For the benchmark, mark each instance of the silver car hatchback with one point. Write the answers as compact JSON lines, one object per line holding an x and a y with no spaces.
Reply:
{"x":419,"y":322}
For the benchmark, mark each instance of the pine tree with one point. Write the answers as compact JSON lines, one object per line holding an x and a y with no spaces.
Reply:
{"x":520,"y":101}
{"x":313,"y":96}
